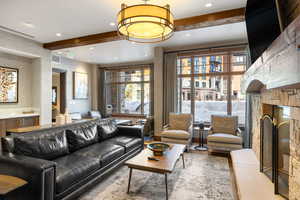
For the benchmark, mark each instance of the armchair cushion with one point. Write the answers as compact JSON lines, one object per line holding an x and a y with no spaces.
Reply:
{"x":224,"y":138}
{"x":224,"y":124}
{"x":179,"y":134}
{"x":180,"y":121}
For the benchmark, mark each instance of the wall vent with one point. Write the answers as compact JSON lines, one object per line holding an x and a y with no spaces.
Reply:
{"x":56,"y":59}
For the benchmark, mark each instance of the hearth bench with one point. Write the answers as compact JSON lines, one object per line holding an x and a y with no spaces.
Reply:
{"x":62,"y":163}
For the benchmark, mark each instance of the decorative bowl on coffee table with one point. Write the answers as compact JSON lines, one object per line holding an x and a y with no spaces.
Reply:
{"x":158,"y":148}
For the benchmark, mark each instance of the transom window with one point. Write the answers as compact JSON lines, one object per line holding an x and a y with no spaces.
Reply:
{"x":128,"y":90}
{"x":210,"y":84}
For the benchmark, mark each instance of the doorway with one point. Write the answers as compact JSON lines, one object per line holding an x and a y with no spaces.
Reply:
{"x":58,"y":93}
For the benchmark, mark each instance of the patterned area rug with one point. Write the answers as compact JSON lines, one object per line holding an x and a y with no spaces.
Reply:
{"x":205,"y":177}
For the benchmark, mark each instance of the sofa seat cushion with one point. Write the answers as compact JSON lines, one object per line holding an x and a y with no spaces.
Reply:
{"x":178,"y":134}
{"x":105,"y":152}
{"x":127,"y":141}
{"x":224,"y":138}
{"x":72,"y":168}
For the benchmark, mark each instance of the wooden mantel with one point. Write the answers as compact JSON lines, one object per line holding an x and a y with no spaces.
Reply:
{"x":279,"y":65}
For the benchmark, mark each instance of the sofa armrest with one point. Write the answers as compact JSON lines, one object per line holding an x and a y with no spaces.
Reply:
{"x":40,"y":175}
{"x":136,"y":131}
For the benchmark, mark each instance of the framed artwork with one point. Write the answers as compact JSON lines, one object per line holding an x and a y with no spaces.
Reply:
{"x":80,"y":85}
{"x":9,"y":78}
{"x":54,"y":95}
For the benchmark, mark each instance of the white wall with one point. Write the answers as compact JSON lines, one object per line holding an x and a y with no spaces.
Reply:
{"x":25,"y":81}
{"x":41,"y":70}
{"x":70,"y":66}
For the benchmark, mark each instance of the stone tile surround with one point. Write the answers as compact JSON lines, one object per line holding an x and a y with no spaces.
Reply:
{"x":282,"y":97}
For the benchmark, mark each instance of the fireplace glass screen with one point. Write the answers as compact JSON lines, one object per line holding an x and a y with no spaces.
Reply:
{"x":282,"y":151}
{"x":267,"y":160}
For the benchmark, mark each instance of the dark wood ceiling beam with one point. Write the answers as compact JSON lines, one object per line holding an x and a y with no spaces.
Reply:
{"x":84,"y":40}
{"x":212,"y":19}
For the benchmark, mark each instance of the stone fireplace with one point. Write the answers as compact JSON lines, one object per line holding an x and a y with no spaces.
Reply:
{"x":287,"y":159}
{"x":274,"y":81}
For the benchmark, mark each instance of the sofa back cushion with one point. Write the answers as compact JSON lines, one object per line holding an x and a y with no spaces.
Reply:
{"x":49,"y":145}
{"x":107,"y":129}
{"x":82,"y":136}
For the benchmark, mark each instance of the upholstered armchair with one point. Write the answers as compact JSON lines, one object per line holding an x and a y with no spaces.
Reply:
{"x":179,"y":130}
{"x":224,"y":134}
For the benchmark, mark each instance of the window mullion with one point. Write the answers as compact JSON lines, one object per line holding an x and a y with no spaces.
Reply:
{"x":192,"y":86}
{"x":142,"y":92}
{"x":229,"y":84}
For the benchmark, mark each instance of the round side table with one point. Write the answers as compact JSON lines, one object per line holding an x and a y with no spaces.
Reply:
{"x":201,"y":146}
{"x":8,"y":184}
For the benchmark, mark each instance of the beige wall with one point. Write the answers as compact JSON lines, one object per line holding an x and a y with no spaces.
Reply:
{"x":158,"y":90}
{"x":70,"y":66}
{"x":25,"y":81}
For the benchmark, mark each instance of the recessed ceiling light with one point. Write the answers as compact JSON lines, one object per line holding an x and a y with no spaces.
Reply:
{"x":59,"y":52}
{"x":112,"y":23}
{"x":28,"y":24}
{"x":92,"y":48}
{"x":208,"y":5}
{"x":187,"y":34}
{"x":58,"y":34}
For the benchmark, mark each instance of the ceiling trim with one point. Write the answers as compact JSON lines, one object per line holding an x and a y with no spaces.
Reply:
{"x":207,"y":20}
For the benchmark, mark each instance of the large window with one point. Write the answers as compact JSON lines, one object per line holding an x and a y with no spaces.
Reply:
{"x":211,"y":85}
{"x":128,"y":90}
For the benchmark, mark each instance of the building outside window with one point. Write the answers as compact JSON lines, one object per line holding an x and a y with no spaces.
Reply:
{"x":220,"y":90}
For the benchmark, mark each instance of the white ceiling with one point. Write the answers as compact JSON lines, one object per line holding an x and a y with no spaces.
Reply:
{"x":74,"y":18}
{"x":125,"y":51}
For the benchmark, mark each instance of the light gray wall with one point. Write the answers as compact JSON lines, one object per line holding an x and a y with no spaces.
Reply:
{"x":70,"y":66}
{"x":25,"y":81}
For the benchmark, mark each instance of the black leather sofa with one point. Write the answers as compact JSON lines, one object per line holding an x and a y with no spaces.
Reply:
{"x":63,"y":162}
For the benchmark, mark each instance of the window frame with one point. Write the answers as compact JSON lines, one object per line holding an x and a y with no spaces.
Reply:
{"x":142,"y":83}
{"x":227,"y":72}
